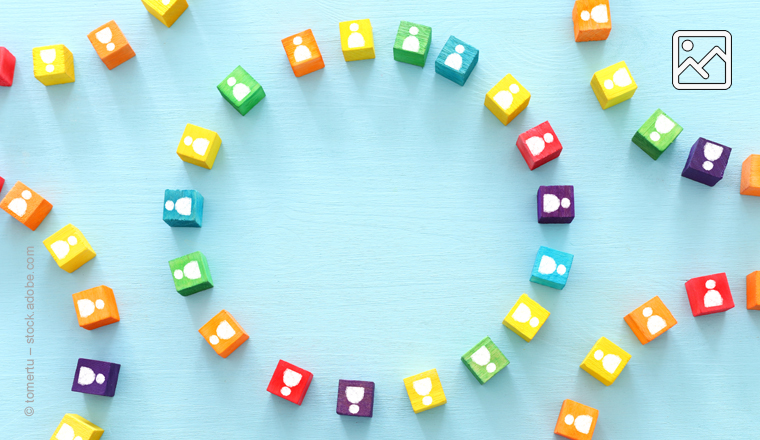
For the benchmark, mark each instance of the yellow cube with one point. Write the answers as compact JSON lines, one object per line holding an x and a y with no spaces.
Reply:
{"x":507,"y":99}
{"x":425,"y":391}
{"x":69,"y":248}
{"x":166,"y":11}
{"x":356,"y":40}
{"x":53,"y":64}
{"x":613,"y":85}
{"x":76,"y":427}
{"x":526,"y":317}
{"x":199,"y":146}
{"x":605,"y":361}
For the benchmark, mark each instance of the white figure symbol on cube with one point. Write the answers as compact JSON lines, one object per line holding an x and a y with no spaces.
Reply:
{"x":482,"y":357}
{"x":200,"y":145}
{"x":423,"y":387}
{"x":523,"y":314}
{"x":87,"y":377}
{"x":712,"y":152}
{"x":355,"y":39}
{"x":19,"y":205}
{"x":104,"y":36}
{"x":548,"y":266}
{"x":454,"y":60}
{"x":598,"y":14}
{"x":411,"y":42}
{"x":66,"y":433}
{"x":662,"y":125}
{"x":582,"y":423}
{"x":655,"y":323}
{"x":610,"y":362}
{"x":191,"y":271}
{"x":712,"y":297}
{"x":48,"y":57}
{"x":302,"y":53}
{"x":87,"y":307}
{"x":354,"y":395}
{"x":505,"y":97}
{"x":223,"y":331}
{"x":621,"y":78}
{"x":239,"y":90}
{"x":537,"y":144}
{"x":290,"y":378}
{"x":184,"y":206}
{"x":552,"y":204}
{"x":61,"y":248}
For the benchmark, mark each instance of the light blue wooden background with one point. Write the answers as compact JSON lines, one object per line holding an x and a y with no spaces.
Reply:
{"x":373,"y":220}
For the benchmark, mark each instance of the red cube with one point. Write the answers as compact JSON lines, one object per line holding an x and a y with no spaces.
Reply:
{"x":2,"y":182}
{"x":709,"y":294}
{"x":7,"y":66}
{"x":539,"y":145}
{"x":290,"y":382}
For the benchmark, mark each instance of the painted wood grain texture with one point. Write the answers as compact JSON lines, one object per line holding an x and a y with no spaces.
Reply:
{"x":374,"y":220}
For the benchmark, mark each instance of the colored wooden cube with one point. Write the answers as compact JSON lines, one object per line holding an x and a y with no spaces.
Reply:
{"x":183,"y":208}
{"x":290,"y":382}
{"x":591,"y":20}
{"x":53,"y":64}
{"x":613,"y":85}
{"x":166,"y":11}
{"x":356,"y":40}
{"x":241,"y":90}
{"x":199,"y":146}
{"x":7,"y":67}
{"x":69,"y":248}
{"x":556,"y":204}
{"x":425,"y":391}
{"x":355,"y":398}
{"x":706,"y":162}
{"x":753,"y":290}
{"x":576,"y":421}
{"x":96,"y":307}
{"x":26,"y":206}
{"x":303,"y":53}
{"x":74,"y":427}
{"x":484,"y":360}
{"x":526,"y":317}
{"x":456,"y":60}
{"x":539,"y":145}
{"x":412,"y":43}
{"x":2,"y":182}
{"x":223,"y":333}
{"x":605,"y":361}
{"x":750,"y":183}
{"x":650,"y":320}
{"x":657,"y":133}
{"x":709,"y":294}
{"x":507,"y":99}
{"x":96,"y":377}
{"x":191,"y":273}
{"x":111,"y":44}
{"x":551,"y":268}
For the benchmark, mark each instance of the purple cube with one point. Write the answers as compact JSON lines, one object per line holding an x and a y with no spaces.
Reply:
{"x":96,"y":377}
{"x":707,"y":161}
{"x":556,"y":204}
{"x":355,"y":398}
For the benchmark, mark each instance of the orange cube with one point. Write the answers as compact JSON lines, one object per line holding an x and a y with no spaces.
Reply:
{"x":26,"y":206}
{"x":303,"y":53}
{"x":223,"y":333}
{"x":591,"y":20}
{"x":111,"y":44}
{"x":576,"y":421}
{"x":96,"y":307}
{"x":750,"y":185}
{"x":650,"y":320}
{"x":753,"y":290}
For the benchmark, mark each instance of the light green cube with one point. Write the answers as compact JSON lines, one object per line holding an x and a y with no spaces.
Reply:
{"x":412,"y":43}
{"x":657,"y":133}
{"x":241,"y":90}
{"x":191,"y":274}
{"x":484,"y":360}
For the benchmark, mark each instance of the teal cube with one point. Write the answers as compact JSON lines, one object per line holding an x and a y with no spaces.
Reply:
{"x":241,"y":90}
{"x":456,"y":60}
{"x":657,"y":133}
{"x":191,"y":274}
{"x":412,"y":43}
{"x":551,"y":268}
{"x":484,"y":360}
{"x":183,"y":208}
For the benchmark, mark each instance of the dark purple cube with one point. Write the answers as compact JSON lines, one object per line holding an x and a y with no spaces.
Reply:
{"x":556,"y":204}
{"x":355,"y":398}
{"x":96,"y":377}
{"x":707,"y":161}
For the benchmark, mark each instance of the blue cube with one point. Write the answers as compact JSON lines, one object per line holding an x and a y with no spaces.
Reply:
{"x":456,"y":60}
{"x":183,"y":208}
{"x":552,"y":268}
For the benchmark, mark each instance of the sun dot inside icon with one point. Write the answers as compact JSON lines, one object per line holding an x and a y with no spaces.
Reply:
{"x":687,"y":45}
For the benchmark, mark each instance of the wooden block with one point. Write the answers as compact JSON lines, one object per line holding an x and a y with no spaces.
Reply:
{"x":183,"y":208}
{"x":753,"y":290}
{"x":709,"y":294}
{"x":556,"y":204}
{"x":355,"y":398}
{"x":96,"y":377}
{"x":25,"y":205}
{"x":303,"y":53}
{"x":657,"y":133}
{"x":507,"y":99}
{"x":69,"y":248}
{"x":241,"y":90}
{"x":551,"y":268}
{"x":111,"y":44}
{"x":605,"y":361}
{"x":96,"y":307}
{"x":2,"y":182}
{"x":425,"y":391}
{"x":356,"y":40}
{"x":650,"y":320}
{"x":53,"y":64}
{"x":750,"y":183}
{"x":7,"y":67}
{"x":576,"y":421}
{"x":456,"y":60}
{"x":199,"y":146}
{"x":613,"y":85}
{"x":412,"y":43}
{"x":166,"y":11}
{"x":706,"y":162}
{"x":539,"y":145}
{"x":484,"y":360}
{"x":526,"y":317}
{"x":223,"y":333}
{"x":290,"y":382}
{"x":591,"y":20}
{"x":191,"y":273}
{"x":74,"y":427}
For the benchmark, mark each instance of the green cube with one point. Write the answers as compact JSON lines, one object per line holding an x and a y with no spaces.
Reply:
{"x":241,"y":90}
{"x":484,"y":360}
{"x":191,"y":274}
{"x":657,"y":133}
{"x":412,"y":43}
